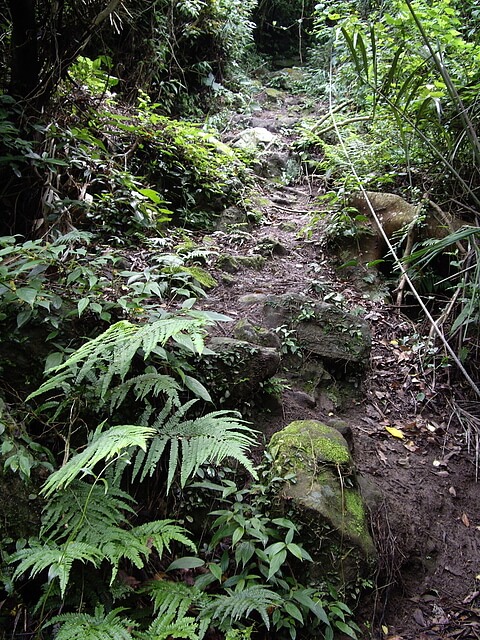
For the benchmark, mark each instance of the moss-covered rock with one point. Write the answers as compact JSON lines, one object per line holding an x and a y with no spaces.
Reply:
{"x":303,"y":445}
{"x":322,"y":329}
{"x":323,"y":497}
{"x":232,"y":264}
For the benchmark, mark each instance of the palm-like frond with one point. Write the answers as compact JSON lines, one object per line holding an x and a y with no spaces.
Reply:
{"x":213,"y":437}
{"x":58,"y":559}
{"x":104,"y":445}
{"x":82,"y":626}
{"x":238,"y":605}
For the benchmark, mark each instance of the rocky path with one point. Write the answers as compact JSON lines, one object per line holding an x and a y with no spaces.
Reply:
{"x":425,"y":503}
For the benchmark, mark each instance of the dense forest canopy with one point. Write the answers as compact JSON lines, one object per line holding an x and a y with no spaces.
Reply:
{"x":111,"y":123}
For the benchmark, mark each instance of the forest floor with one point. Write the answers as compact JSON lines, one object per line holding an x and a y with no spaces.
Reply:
{"x":427,"y":524}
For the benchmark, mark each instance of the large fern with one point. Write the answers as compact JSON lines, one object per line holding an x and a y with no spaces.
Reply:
{"x":100,"y":626}
{"x":213,"y":438}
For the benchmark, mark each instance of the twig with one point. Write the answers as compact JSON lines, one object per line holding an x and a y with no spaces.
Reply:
{"x":403,"y":280}
{"x":277,"y":206}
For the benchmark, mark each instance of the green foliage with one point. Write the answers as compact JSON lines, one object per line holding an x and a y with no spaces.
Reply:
{"x":161,"y":168}
{"x":103,"y":363}
{"x":415,"y":73}
{"x":57,"y":559}
{"x":99,"y":626}
{"x":91,"y":74}
{"x":166,"y":626}
{"x":212,"y":437}
{"x":238,"y":605}
{"x":19,"y":453}
{"x":103,"y":445}
{"x":57,"y":283}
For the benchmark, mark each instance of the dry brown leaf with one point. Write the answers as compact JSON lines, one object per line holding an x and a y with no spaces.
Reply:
{"x":465,"y":520}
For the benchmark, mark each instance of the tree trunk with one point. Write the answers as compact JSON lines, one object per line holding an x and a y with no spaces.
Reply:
{"x":25,"y":65}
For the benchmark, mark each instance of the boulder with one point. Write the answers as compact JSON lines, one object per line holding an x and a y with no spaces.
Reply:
{"x":245,"y":330}
{"x":254,"y":138}
{"x":234,"y":370}
{"x":322,"y":329}
{"x":396,"y":214}
{"x":232,"y":264}
{"x":324,"y":500}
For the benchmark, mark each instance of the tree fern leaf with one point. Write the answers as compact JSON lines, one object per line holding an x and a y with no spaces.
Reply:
{"x":103,"y":446}
{"x":81,"y":626}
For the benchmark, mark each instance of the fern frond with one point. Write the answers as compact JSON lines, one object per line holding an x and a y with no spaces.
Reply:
{"x":174,"y":597}
{"x":210,"y":438}
{"x":237,"y":605}
{"x":82,"y":626}
{"x":136,"y":544}
{"x":58,"y":559}
{"x":164,"y":627}
{"x":112,"y":352}
{"x":160,"y":533}
{"x":92,"y":504}
{"x":103,"y":446}
{"x":144,"y":385}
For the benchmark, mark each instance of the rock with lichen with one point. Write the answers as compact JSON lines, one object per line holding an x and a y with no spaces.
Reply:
{"x":323,"y":499}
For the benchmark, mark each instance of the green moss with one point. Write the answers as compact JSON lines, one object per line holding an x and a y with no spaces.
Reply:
{"x":305,"y":443}
{"x":232,"y":264}
{"x":355,"y":512}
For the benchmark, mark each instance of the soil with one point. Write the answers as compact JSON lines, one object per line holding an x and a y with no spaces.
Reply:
{"x":425,"y":510}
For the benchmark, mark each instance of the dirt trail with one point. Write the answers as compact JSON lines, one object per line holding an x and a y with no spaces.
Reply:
{"x":427,"y":519}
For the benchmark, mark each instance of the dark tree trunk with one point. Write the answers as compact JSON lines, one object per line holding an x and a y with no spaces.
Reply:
{"x":25,"y":64}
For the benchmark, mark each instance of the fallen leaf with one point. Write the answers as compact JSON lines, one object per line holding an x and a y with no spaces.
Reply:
{"x":396,"y":433}
{"x":410,"y":446}
{"x":419,"y":618}
{"x":452,"y":492}
{"x":465,"y":520}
